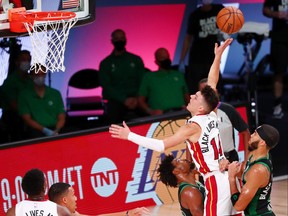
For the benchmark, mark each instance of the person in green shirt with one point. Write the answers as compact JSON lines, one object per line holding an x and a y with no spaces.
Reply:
{"x":120,"y":76}
{"x":15,"y":83}
{"x":163,"y":90}
{"x":41,"y":107}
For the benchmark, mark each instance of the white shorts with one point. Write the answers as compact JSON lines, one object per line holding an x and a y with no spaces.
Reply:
{"x":217,"y":200}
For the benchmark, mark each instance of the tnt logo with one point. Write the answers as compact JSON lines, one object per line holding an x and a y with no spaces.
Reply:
{"x":104,"y":177}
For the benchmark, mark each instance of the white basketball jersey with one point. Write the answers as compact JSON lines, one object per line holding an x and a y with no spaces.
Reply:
{"x":208,"y":149}
{"x":29,"y":208}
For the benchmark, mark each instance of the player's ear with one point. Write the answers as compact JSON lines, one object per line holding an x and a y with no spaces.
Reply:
{"x":64,"y":200}
{"x":201,"y":109}
{"x":176,"y":171}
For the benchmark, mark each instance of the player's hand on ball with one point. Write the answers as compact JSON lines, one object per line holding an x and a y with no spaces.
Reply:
{"x":119,"y":132}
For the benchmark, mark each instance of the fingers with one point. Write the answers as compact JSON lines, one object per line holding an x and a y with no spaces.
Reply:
{"x":124,"y":124}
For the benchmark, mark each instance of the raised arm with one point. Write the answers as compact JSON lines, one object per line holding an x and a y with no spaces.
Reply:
{"x":213,"y":75}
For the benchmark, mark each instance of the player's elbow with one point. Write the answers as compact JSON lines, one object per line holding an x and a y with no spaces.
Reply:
{"x":239,"y":207}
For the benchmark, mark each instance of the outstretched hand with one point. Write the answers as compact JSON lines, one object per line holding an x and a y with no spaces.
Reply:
{"x":119,"y":132}
{"x":218,"y":50}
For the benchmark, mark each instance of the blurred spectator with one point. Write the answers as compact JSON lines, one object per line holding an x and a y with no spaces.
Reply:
{"x":120,"y":75}
{"x":41,"y":107}
{"x":14,"y":84}
{"x":278,"y":11}
{"x":202,"y":34}
{"x":164,"y":90}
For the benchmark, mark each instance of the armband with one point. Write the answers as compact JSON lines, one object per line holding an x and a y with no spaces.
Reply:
{"x":150,"y":143}
{"x":235,"y":197}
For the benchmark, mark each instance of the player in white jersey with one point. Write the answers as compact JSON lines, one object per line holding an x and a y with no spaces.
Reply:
{"x":34,"y":185}
{"x":202,"y":104}
{"x":207,"y":151}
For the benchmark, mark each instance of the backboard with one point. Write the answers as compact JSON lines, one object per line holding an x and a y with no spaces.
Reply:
{"x":84,"y":9}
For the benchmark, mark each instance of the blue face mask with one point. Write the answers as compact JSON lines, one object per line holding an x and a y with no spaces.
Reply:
{"x":24,"y":65}
{"x":39,"y":81}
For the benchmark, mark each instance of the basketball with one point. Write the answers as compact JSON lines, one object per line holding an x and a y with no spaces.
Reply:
{"x":230,"y":20}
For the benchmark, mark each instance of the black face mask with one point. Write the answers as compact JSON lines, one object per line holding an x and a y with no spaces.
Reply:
{"x":165,"y":64}
{"x":119,"y":45}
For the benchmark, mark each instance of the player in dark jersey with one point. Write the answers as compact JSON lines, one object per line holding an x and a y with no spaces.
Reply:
{"x":174,"y":172}
{"x":254,"y":198}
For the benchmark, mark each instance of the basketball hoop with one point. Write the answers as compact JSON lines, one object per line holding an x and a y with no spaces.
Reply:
{"x":48,"y":33}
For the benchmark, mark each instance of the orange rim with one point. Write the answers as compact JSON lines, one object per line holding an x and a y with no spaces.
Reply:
{"x":18,"y":18}
{"x":50,"y":16}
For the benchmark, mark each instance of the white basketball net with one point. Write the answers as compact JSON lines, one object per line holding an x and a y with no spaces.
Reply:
{"x":49,"y":42}
{"x":4,"y":60}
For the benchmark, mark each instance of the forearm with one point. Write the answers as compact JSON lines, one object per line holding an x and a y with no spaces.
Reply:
{"x":150,"y":143}
{"x":213,"y":75}
{"x":60,"y":123}
{"x":233,"y":185}
{"x":32,"y":123}
{"x":143,"y":105}
{"x":185,"y":48}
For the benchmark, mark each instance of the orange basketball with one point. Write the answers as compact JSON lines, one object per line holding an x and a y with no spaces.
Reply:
{"x":230,"y":20}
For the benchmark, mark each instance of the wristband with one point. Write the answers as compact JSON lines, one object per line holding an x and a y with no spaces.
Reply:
{"x":150,"y":143}
{"x":235,"y":197}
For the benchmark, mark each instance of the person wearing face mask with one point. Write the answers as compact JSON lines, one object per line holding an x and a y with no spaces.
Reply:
{"x":16,"y":81}
{"x":201,"y":35}
{"x":164,"y":90}
{"x":41,"y":107}
{"x":120,"y":76}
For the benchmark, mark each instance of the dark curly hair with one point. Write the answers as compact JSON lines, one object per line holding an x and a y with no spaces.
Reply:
{"x":211,"y":97}
{"x":33,"y":182}
{"x":165,"y":171}
{"x":57,"y":190}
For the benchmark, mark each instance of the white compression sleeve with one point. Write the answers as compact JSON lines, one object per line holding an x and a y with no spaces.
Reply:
{"x":150,"y":143}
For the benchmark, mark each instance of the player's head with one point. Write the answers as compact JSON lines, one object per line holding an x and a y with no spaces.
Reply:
{"x":203,"y":101}
{"x":118,"y":39}
{"x":171,"y":169}
{"x":266,"y":136}
{"x":162,"y":58}
{"x":33,"y":183}
{"x":63,"y":194}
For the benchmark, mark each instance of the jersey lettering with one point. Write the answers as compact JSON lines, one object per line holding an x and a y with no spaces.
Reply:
{"x":204,"y":143}
{"x":265,"y":192}
{"x":35,"y":213}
